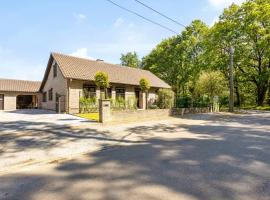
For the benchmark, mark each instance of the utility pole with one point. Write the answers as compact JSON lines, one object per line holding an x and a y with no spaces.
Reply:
{"x":231,"y":98}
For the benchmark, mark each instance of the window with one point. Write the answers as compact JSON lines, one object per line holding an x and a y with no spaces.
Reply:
{"x":55,"y":70}
{"x":89,"y":90}
{"x":51,"y":94}
{"x":120,"y":93}
{"x":44,"y":96}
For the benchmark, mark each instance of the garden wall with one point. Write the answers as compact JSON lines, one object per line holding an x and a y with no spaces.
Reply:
{"x":183,"y":111}
{"x":139,"y":115}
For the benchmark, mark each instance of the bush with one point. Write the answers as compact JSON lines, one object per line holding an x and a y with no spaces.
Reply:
{"x":121,"y":104}
{"x":165,"y":98}
{"x":153,"y":106}
{"x":188,"y":102}
{"x":88,"y":105}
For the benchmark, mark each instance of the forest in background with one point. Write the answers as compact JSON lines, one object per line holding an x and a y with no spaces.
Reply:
{"x":195,"y":62}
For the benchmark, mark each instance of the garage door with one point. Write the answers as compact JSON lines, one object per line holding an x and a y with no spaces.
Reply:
{"x":1,"y":102}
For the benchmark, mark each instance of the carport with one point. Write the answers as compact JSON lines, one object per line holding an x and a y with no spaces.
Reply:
{"x":26,"y":101}
{"x":19,"y":94}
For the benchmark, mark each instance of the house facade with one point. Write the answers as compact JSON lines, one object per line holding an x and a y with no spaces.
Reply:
{"x":69,"y":78}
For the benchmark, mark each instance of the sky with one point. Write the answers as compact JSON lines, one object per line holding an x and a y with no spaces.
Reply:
{"x":30,"y":29}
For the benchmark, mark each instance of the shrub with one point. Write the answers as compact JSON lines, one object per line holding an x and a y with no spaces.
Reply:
{"x":165,"y":98}
{"x":102,"y":81}
{"x":187,"y":102}
{"x":153,"y":106}
{"x":121,"y":104}
{"x":88,"y":105}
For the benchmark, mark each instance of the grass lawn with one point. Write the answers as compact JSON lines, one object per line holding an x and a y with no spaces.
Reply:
{"x":91,"y":116}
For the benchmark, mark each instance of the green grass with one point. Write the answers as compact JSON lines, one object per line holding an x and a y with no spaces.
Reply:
{"x":256,"y":107}
{"x":91,"y":116}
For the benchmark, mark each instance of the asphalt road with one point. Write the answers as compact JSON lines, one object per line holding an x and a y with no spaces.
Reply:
{"x":202,"y":157}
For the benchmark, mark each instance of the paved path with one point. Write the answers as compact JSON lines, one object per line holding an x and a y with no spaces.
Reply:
{"x":201,"y":157}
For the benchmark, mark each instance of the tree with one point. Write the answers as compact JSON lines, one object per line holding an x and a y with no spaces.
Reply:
{"x":246,"y":28}
{"x":177,"y":60}
{"x":211,"y":83}
{"x":145,"y":86}
{"x":130,"y":59}
{"x":102,"y":81}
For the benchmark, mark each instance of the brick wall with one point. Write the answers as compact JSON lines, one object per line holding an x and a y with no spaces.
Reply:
{"x":140,"y":115}
{"x":59,"y":85}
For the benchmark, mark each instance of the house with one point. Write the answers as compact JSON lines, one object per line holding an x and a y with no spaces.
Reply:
{"x":67,"y":78}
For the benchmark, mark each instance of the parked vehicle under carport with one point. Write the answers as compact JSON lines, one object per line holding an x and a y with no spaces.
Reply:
{"x":26,"y":101}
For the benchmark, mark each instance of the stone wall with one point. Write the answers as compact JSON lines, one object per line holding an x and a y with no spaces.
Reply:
{"x":140,"y":115}
{"x":182,"y":111}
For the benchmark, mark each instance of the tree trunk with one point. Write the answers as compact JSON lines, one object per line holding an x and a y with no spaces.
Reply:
{"x":261,"y":92}
{"x":106,"y":93}
{"x":268,"y":96}
{"x":237,"y":93}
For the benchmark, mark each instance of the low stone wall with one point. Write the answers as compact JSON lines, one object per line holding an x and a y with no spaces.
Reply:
{"x":139,"y":115}
{"x":183,"y":111}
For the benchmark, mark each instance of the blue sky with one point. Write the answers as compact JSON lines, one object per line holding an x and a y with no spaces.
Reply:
{"x":31,"y":29}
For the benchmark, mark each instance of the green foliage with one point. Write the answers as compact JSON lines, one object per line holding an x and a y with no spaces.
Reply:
{"x":153,"y":106}
{"x":144,"y":84}
{"x":88,"y":105}
{"x":246,"y":28}
{"x":165,"y":98}
{"x":211,"y":83}
{"x":130,"y":59}
{"x":102,"y":80}
{"x":178,"y":59}
{"x":188,"y":102}
{"x":122,"y":104}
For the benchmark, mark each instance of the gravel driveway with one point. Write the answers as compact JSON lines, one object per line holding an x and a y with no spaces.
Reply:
{"x":210,"y":156}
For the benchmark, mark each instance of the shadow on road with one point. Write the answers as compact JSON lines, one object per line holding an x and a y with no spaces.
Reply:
{"x":221,"y":162}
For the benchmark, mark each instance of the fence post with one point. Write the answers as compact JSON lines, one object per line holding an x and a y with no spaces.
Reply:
{"x":104,"y":110}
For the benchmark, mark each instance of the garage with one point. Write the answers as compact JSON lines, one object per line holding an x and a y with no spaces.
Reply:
{"x":26,"y":101}
{"x":19,"y":94}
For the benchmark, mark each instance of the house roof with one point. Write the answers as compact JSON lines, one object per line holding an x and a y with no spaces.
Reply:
{"x":85,"y":69}
{"x":12,"y":85}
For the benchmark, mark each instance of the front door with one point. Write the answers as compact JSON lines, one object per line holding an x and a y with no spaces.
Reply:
{"x":1,"y":102}
{"x":137,"y":94}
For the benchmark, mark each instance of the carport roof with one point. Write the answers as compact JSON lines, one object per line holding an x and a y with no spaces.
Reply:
{"x":13,"y":85}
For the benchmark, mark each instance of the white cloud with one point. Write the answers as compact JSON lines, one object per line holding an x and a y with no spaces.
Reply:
{"x":220,"y":4}
{"x":118,"y":22}
{"x":80,"y":17}
{"x":82,"y":53}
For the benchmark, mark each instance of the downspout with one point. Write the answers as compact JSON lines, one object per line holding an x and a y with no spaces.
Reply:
{"x":68,"y":87}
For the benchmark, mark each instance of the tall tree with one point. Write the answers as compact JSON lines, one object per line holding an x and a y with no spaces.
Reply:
{"x":130,"y":59}
{"x":246,"y":28}
{"x":178,"y":59}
